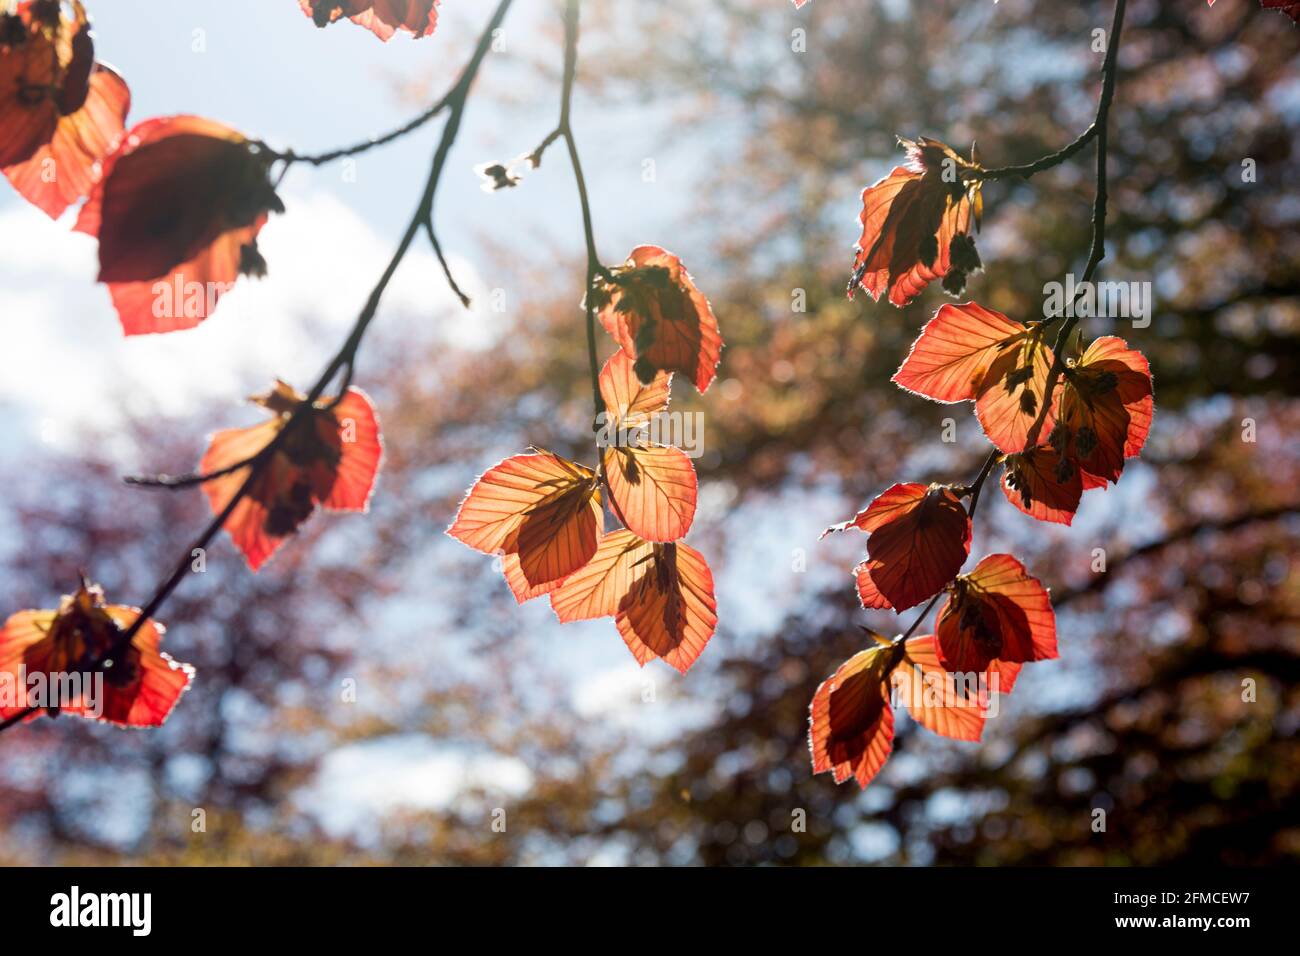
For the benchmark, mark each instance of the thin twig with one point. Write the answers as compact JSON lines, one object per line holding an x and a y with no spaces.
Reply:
{"x":454,"y":102}
{"x":1096,"y":253}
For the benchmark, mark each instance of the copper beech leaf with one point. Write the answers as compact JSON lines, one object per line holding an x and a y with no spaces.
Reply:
{"x":383,"y":18}
{"x":919,"y":539}
{"x":653,"y":310}
{"x":140,"y":685}
{"x":948,"y":704}
{"x":1043,"y":484}
{"x":660,"y":596}
{"x":541,"y":509}
{"x":653,"y":486}
{"x":851,"y":720}
{"x":177,"y":213}
{"x":329,"y":459}
{"x":915,"y":225}
{"x":61,"y":113}
{"x":997,"y":612}
{"x":970,"y":353}
{"x":1105,"y":411}
{"x":851,"y":723}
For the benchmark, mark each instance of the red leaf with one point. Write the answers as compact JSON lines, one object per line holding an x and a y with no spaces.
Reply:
{"x":910,"y":220}
{"x":670,"y":611}
{"x":31,"y":80}
{"x":519,"y":584}
{"x":541,"y":507}
{"x":1105,"y":410}
{"x":598,"y":587}
{"x":331,"y":459}
{"x":64,"y":169}
{"x":947,"y":704}
{"x":139,"y":689}
{"x":998,"y":612}
{"x":920,"y":537}
{"x":1010,"y":397}
{"x":653,"y":487}
{"x":177,"y":214}
{"x":950,"y":359}
{"x":851,"y":724}
{"x":383,"y":18}
{"x":868,"y":593}
{"x":659,"y":318}
{"x":1043,"y":485}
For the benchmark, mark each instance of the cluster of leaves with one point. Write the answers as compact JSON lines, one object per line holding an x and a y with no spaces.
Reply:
{"x":169,"y":249}
{"x":1060,"y":425}
{"x":543,"y":516}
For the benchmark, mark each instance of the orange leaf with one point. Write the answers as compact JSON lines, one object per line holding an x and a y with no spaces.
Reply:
{"x":67,"y":646}
{"x":654,"y":487}
{"x":177,"y":213}
{"x":912,"y":222}
{"x":597,"y":588}
{"x":659,"y":318}
{"x":66,"y":168}
{"x":670,"y":611}
{"x":868,"y":593}
{"x":951,"y":705}
{"x":998,"y":612}
{"x":330,"y":459}
{"x":1010,"y":398}
{"x":31,"y":79}
{"x":851,"y":724}
{"x":920,"y":537}
{"x":629,"y":402}
{"x":541,"y":507}
{"x":383,"y":18}
{"x":1105,"y":409}
{"x":950,"y":359}
{"x":1043,"y":485}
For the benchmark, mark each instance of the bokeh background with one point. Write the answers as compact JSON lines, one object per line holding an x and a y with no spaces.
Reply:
{"x":705,"y":131}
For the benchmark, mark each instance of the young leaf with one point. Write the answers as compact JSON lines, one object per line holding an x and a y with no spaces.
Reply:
{"x":997,"y":612}
{"x":597,"y":588}
{"x":330,"y":459}
{"x":33,"y":71}
{"x":670,"y":611}
{"x":658,"y":317}
{"x":1010,"y":398}
{"x":540,"y":507}
{"x":920,"y":537}
{"x":851,"y":724}
{"x":177,"y":214}
{"x":947,"y":704}
{"x":915,"y":225}
{"x":64,"y":168}
{"x":139,"y":687}
{"x":1043,"y":485}
{"x":1105,"y":410}
{"x":383,"y":18}
{"x":868,"y":593}
{"x":950,"y":359}
{"x":653,"y":486}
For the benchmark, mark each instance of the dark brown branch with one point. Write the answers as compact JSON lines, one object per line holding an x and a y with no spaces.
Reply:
{"x":1098,"y":250}
{"x":1096,"y":253}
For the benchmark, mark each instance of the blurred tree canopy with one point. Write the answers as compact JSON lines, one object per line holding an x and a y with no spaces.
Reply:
{"x":1174,"y":707}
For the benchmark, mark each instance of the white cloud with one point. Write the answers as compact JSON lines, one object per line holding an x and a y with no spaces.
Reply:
{"x":364,"y":782}
{"x":68,"y":364}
